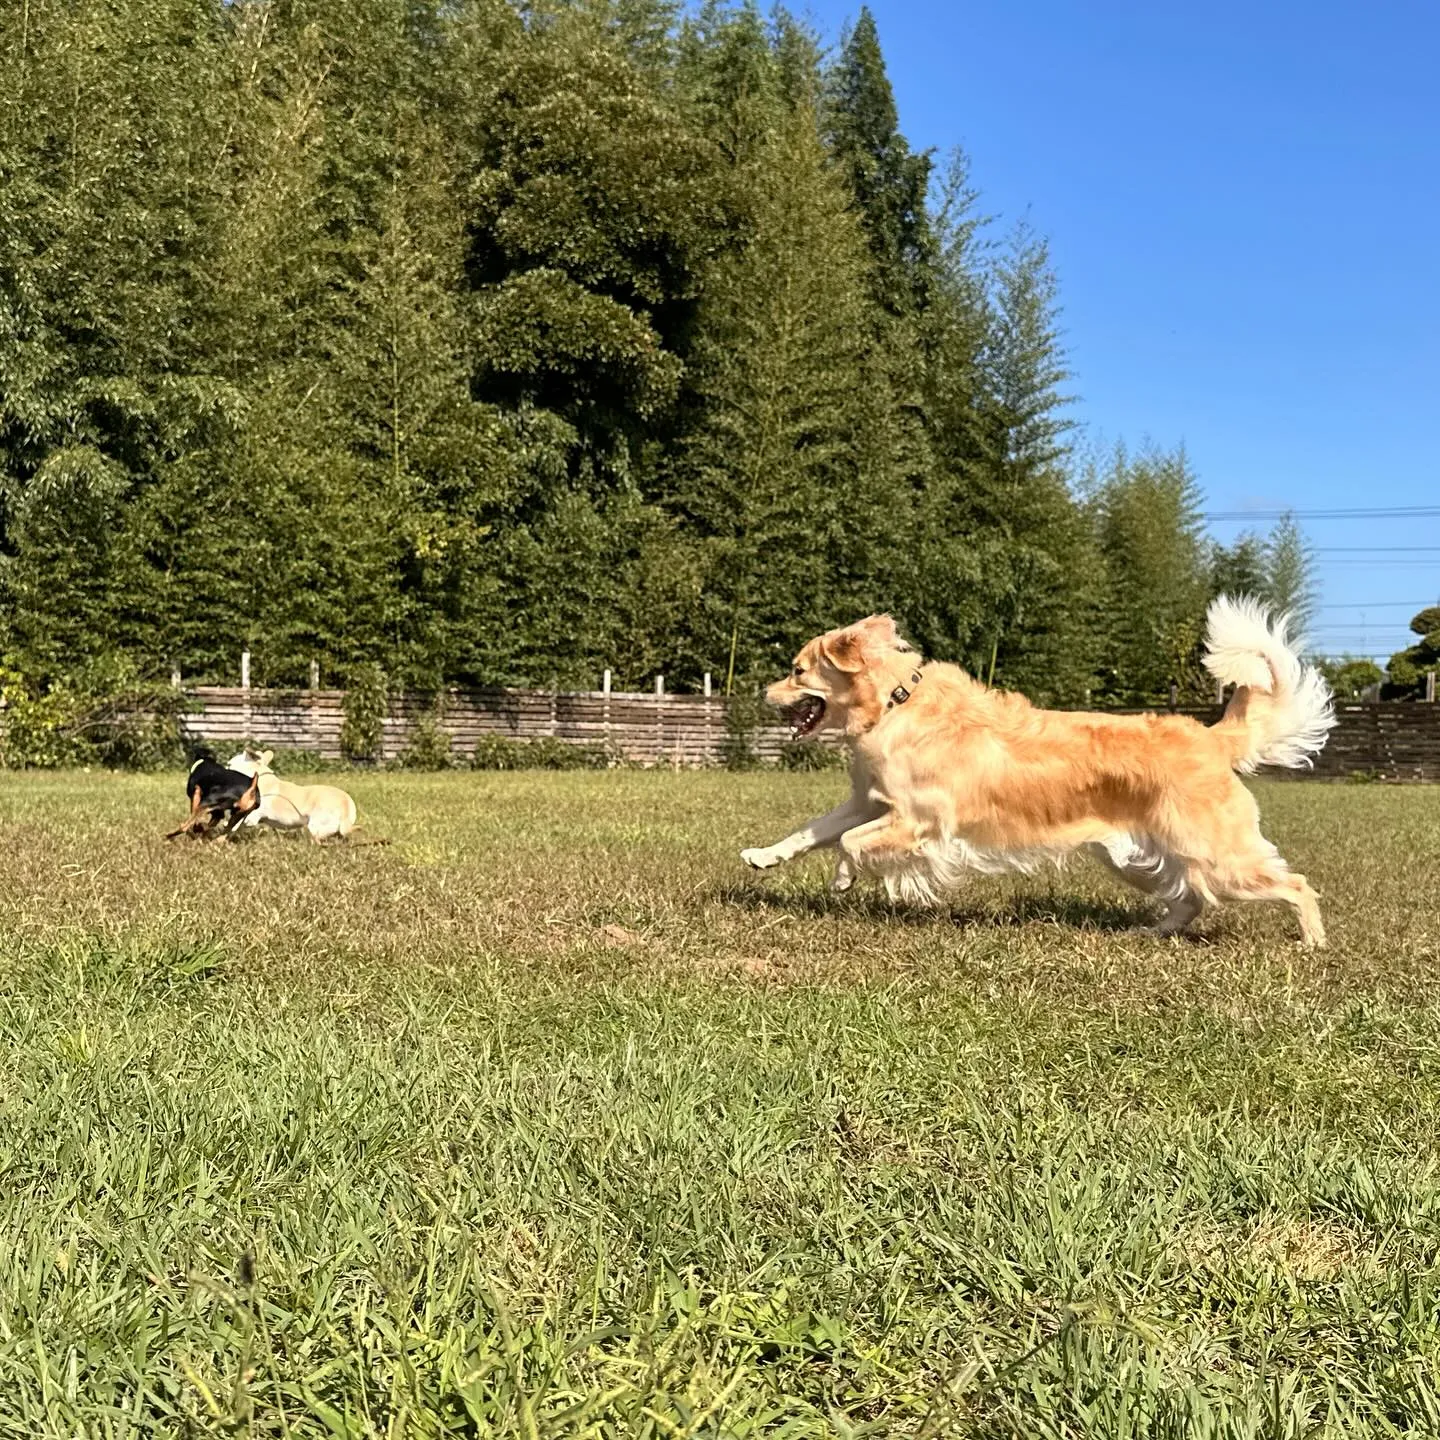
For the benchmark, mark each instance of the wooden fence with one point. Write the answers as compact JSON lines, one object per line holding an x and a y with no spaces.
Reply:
{"x":1388,"y":741}
{"x":679,"y":730}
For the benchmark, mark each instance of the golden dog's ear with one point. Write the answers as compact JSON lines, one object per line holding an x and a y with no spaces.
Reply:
{"x":881,"y":627}
{"x":845,"y":650}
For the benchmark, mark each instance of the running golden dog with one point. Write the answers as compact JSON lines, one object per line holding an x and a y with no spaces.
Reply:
{"x":948,"y":775}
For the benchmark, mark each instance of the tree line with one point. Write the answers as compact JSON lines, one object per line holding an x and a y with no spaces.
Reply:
{"x":504,"y":343}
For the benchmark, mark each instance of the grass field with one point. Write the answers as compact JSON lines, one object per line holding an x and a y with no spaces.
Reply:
{"x":551,"y":1120}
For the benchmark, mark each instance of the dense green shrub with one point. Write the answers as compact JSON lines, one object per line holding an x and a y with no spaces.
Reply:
{"x":367,"y":702}
{"x":103,"y":714}
{"x":496,"y":752}
{"x":1349,"y":677}
{"x":744,"y":714}
{"x":812,"y":755}
{"x":430,"y":746}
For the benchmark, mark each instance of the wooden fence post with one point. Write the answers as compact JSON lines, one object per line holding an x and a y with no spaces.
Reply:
{"x":175,"y":676}
{"x":1430,"y":686}
{"x":245,"y":715}
{"x":1174,"y":697}
{"x":314,"y":706}
{"x":659,"y":719}
{"x":710,"y":747}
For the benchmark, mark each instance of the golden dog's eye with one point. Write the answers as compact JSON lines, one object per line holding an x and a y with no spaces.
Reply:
{"x":799,"y":671}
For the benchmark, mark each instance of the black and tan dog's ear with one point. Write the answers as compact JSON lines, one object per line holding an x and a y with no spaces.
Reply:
{"x":251,"y":798}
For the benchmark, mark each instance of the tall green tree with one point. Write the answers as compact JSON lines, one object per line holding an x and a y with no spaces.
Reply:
{"x":1240,"y":567}
{"x":1007,"y":572}
{"x":1290,"y":583}
{"x":794,"y":508}
{"x":889,"y":181}
{"x":1407,"y":669}
{"x":1146,"y":511}
{"x":102,"y":224}
{"x":595,"y":206}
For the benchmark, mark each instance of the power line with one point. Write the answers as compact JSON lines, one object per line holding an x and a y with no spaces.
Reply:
{"x":1377,"y":549}
{"x":1382,"y":512}
{"x":1375,"y":605}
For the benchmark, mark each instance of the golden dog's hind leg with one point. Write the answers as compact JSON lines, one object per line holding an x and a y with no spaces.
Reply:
{"x":895,"y":849}
{"x":1153,"y":871}
{"x":1232,"y":860}
{"x":883,"y":841}
{"x":1264,"y":875}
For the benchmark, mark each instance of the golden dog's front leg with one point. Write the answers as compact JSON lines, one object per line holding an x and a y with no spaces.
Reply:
{"x":823,"y":831}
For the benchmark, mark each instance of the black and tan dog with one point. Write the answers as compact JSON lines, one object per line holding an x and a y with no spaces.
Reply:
{"x":217,"y":794}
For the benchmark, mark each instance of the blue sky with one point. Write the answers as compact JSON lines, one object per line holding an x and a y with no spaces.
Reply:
{"x":1243,"y":206}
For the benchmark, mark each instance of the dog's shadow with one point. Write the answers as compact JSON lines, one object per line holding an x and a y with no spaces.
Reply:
{"x":1074,"y":912}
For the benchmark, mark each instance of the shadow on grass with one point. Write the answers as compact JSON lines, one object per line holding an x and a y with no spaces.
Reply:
{"x":1077,"y":912}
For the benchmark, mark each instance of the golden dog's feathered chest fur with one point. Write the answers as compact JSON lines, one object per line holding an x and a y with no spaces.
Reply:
{"x":949,"y":775}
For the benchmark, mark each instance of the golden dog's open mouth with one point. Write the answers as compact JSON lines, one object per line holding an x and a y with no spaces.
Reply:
{"x":805,"y":715}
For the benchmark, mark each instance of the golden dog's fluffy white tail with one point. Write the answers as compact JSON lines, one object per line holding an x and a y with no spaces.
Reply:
{"x":1281,"y":711}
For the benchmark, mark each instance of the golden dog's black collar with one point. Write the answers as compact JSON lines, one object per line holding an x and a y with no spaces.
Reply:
{"x":899,"y":695}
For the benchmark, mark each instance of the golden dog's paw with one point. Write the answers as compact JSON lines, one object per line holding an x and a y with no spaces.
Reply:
{"x":759,"y":859}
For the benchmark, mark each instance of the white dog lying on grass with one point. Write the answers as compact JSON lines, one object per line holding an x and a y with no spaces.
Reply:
{"x":323,"y":810}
